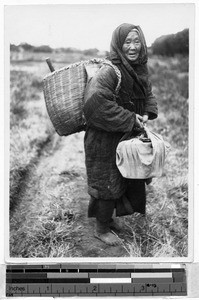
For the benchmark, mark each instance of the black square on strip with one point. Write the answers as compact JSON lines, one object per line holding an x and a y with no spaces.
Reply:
{"x":34,"y":270}
{"x":51,"y":271}
{"x":27,"y":280}
{"x":106,"y":270}
{"x":69,"y":270}
{"x":125,"y":270}
{"x":68,"y":280}
{"x":142,"y":270}
{"x":88,"y":270}
{"x":15,"y":271}
{"x":160,"y":270}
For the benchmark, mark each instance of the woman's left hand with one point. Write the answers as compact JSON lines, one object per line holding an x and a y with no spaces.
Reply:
{"x":145,"y":119}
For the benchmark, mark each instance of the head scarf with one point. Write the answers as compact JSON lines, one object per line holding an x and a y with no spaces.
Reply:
{"x":137,"y":70}
{"x":118,"y":39}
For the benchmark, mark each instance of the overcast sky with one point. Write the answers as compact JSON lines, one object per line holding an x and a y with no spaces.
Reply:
{"x":90,"y":26}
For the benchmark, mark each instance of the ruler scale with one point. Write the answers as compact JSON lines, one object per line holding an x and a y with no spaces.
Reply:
{"x":61,"y":280}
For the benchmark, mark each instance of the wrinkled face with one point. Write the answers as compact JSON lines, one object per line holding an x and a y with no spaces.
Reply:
{"x":132,"y":46}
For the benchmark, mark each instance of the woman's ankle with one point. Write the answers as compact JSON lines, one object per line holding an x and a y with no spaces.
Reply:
{"x":102,"y":227}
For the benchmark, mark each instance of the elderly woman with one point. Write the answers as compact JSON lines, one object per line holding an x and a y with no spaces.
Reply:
{"x":109,"y":117}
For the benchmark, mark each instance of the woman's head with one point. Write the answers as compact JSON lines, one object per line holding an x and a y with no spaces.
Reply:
{"x":128,"y":42}
{"x":132,"y":46}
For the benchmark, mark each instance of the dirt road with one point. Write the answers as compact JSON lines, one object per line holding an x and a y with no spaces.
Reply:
{"x":51,"y":217}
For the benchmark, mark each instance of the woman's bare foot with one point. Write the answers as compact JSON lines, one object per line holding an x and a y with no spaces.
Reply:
{"x":109,"y":238}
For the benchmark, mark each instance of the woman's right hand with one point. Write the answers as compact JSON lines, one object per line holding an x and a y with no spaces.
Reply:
{"x":138,"y":121}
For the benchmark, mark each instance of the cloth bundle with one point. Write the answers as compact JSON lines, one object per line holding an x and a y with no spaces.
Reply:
{"x":142,"y":158}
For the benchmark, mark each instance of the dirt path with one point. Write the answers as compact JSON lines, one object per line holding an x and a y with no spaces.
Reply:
{"x":51,"y":217}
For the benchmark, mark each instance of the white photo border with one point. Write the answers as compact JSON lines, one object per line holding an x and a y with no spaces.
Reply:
{"x":192,"y":81}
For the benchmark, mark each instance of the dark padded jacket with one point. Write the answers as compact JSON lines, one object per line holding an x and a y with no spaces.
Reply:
{"x":108,"y":118}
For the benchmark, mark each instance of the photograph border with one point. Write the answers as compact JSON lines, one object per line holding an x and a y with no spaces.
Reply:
{"x":190,"y":256}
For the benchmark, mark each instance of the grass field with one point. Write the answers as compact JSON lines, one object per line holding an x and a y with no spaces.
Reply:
{"x":165,"y":233}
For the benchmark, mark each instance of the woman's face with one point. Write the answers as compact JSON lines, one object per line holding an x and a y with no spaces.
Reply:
{"x":132,"y":46}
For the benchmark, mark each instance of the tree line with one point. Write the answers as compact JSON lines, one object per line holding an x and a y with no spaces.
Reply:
{"x":167,"y":45}
{"x":171,"y":44}
{"x":48,"y":49}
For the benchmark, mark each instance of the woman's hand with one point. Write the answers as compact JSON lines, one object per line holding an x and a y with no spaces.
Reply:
{"x":145,"y":119}
{"x":138,"y":121}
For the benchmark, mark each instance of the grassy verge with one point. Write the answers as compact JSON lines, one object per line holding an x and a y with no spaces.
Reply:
{"x":166,"y":231}
{"x":47,"y":229}
{"x":30,"y":128}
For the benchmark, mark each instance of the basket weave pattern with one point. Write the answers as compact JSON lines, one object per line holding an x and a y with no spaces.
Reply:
{"x":64,"y":95}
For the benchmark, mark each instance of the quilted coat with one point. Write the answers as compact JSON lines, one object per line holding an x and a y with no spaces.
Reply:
{"x":109,"y":117}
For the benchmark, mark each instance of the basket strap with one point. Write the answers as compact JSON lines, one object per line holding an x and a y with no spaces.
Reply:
{"x":118,"y":73}
{"x":107,"y":62}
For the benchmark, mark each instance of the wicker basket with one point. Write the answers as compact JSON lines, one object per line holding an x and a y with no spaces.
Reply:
{"x":64,"y":94}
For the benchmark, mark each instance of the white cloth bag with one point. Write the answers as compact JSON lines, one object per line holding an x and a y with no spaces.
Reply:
{"x":137,"y":159}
